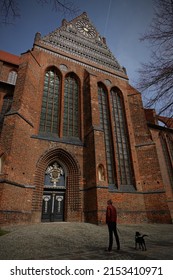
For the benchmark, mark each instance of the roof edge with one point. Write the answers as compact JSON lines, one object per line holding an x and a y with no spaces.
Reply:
{"x":9,"y":57}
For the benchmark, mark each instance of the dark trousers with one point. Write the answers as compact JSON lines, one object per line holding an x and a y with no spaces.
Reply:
{"x":112,"y":227}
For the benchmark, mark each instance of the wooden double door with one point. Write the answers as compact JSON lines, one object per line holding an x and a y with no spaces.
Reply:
{"x":53,"y":206}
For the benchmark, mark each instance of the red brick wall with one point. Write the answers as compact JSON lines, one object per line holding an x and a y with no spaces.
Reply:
{"x":27,"y":155}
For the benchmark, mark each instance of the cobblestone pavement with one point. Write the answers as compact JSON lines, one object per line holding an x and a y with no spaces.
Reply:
{"x":84,"y":241}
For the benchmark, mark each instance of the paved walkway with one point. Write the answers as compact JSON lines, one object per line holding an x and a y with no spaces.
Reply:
{"x":83,"y":241}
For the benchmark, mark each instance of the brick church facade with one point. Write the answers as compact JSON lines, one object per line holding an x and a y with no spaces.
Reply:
{"x":74,"y":133}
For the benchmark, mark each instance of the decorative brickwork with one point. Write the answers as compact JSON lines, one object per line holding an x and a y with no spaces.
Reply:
{"x":73,"y":38}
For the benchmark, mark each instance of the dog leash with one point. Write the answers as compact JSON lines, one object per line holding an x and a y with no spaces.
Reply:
{"x":119,"y":232}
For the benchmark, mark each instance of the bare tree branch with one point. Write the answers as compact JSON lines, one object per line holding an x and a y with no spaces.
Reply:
{"x":62,"y":6}
{"x":157,"y":75}
{"x":10,"y":9}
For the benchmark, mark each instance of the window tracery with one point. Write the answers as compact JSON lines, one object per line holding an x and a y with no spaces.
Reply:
{"x":71,"y":107}
{"x":49,"y":120}
{"x":106,"y":126}
{"x":122,"y":142}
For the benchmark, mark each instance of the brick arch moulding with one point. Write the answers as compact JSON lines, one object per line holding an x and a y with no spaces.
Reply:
{"x":73,"y":196}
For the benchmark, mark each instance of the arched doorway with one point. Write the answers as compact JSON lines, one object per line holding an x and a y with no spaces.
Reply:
{"x":54,"y":193}
{"x":57,"y":195}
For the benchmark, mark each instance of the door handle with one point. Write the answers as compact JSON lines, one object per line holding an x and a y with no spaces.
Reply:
{"x":53,"y":202}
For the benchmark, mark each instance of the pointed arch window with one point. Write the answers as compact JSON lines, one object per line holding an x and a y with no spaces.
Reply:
{"x":71,"y":107}
{"x":49,"y":120}
{"x":105,"y":125}
{"x":122,"y":142}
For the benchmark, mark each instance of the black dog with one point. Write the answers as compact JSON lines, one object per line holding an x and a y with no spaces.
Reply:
{"x":139,"y":241}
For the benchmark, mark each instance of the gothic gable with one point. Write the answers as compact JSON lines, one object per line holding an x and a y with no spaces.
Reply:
{"x":80,"y":38}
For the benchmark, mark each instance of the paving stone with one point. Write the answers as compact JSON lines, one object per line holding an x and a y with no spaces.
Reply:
{"x":83,"y":241}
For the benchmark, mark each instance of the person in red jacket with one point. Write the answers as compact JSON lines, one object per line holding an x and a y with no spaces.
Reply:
{"x":111,"y":220}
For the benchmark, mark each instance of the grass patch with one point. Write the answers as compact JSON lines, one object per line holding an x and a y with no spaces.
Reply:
{"x":2,"y":231}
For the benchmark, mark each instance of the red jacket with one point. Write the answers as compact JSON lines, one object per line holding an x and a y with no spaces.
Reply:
{"x":111,"y":214}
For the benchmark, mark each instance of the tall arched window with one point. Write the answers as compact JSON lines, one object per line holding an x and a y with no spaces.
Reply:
{"x":71,"y":107}
{"x":122,"y":143}
{"x":49,"y":120}
{"x":105,"y":125}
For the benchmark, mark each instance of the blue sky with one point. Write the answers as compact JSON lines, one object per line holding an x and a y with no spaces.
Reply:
{"x":122,"y":22}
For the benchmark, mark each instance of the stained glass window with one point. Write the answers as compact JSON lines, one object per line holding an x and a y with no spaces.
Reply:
{"x":49,"y":121}
{"x":105,"y":125}
{"x":71,"y":107}
{"x":122,"y":143}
